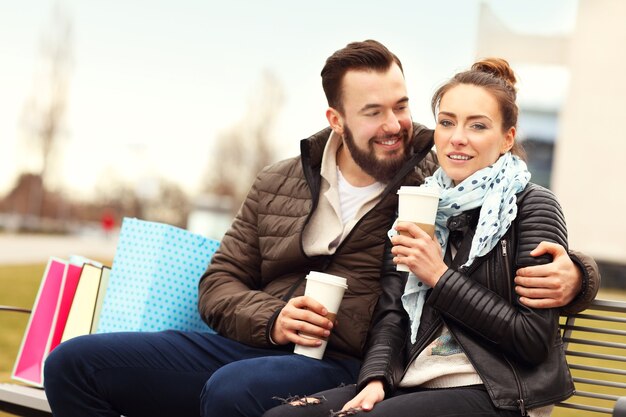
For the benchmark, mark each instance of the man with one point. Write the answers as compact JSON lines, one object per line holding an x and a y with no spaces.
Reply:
{"x":327,"y":210}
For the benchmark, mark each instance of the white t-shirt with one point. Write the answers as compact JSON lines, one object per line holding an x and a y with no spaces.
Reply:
{"x":337,"y":211}
{"x":352,"y":198}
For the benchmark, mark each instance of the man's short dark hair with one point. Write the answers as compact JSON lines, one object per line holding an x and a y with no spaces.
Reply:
{"x":366,"y":55}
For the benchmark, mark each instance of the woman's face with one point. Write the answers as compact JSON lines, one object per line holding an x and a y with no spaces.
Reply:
{"x":469,"y":135}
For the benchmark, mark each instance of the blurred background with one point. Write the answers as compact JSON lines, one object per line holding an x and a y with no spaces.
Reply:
{"x":166,"y":110}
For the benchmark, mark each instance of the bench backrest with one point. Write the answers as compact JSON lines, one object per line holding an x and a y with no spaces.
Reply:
{"x":595,"y":343}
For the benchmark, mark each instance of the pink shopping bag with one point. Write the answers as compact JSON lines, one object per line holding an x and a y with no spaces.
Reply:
{"x":47,"y":320}
{"x":66,"y":298}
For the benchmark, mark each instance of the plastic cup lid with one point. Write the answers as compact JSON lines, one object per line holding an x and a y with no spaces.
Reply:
{"x":428,"y":191}
{"x":327,"y":279}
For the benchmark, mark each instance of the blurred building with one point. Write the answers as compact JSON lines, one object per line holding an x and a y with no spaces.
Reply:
{"x":576,"y":146}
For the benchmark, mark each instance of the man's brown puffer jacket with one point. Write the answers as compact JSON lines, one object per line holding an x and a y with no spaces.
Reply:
{"x":260,"y":263}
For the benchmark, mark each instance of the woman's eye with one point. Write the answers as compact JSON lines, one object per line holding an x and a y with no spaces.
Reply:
{"x":478,"y":126}
{"x":445,"y":123}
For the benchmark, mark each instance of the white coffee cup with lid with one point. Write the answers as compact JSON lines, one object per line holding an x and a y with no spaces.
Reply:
{"x":328,"y":290}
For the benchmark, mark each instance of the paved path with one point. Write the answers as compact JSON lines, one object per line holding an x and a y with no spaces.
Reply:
{"x":22,"y":249}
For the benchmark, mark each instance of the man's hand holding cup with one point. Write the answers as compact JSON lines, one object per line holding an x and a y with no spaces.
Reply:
{"x":309,"y":322}
{"x":302,"y":315}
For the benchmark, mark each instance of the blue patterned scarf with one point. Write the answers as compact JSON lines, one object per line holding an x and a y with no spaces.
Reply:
{"x":494,"y":190}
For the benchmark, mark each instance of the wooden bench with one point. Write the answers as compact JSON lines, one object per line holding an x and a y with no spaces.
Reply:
{"x":596,"y":353}
{"x":24,"y":401}
{"x":595,"y":347}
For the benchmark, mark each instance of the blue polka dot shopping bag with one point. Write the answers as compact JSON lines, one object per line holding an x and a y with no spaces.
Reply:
{"x":154,"y":279}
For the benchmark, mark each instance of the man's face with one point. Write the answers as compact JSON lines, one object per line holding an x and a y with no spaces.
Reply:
{"x":376,"y":122}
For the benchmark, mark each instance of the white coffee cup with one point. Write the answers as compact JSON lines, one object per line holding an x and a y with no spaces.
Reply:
{"x":328,"y":290}
{"x":418,"y":205}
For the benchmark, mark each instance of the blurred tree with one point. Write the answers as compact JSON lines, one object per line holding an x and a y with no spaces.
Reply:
{"x":168,"y":203}
{"x":116,"y":195}
{"x":44,"y":110}
{"x":247,"y":147}
{"x":19,"y":201}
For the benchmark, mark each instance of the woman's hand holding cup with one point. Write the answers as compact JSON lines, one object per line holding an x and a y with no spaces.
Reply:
{"x":415,"y":249}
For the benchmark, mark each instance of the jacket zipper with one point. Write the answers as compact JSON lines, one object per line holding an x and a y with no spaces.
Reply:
{"x":505,"y":260}
{"x":505,"y":255}
{"x":520,"y":402}
{"x":468,"y":271}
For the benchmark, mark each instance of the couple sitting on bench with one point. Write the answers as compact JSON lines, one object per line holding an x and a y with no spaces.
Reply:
{"x":330,"y":210}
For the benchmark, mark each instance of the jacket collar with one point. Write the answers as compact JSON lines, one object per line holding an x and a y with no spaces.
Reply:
{"x":462,"y":229}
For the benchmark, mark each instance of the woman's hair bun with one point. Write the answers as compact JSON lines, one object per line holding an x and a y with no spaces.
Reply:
{"x":497,"y":67}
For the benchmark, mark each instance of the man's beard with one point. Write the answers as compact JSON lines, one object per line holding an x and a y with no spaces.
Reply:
{"x":382,"y":170}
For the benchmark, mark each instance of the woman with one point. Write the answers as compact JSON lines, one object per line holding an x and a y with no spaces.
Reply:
{"x":454,"y":340}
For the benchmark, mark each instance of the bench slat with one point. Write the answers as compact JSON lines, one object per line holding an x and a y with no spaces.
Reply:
{"x":608,"y":305}
{"x":594,"y":330}
{"x":601,"y":356}
{"x":613,"y":319}
{"x":586,"y":408}
{"x":588,"y":394}
{"x":600,"y":382}
{"x":595,"y":343}
{"x":598,"y":369}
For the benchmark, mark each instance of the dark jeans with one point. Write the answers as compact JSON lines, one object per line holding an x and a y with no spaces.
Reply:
{"x":180,"y":374}
{"x":449,"y":402}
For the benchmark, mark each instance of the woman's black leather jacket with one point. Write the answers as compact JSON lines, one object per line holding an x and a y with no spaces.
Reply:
{"x":516,"y":350}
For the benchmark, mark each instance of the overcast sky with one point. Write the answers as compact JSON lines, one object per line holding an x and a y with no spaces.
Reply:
{"x":155,"y":81}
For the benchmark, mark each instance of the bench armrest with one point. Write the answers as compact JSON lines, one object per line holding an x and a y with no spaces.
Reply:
{"x":23,"y":400}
